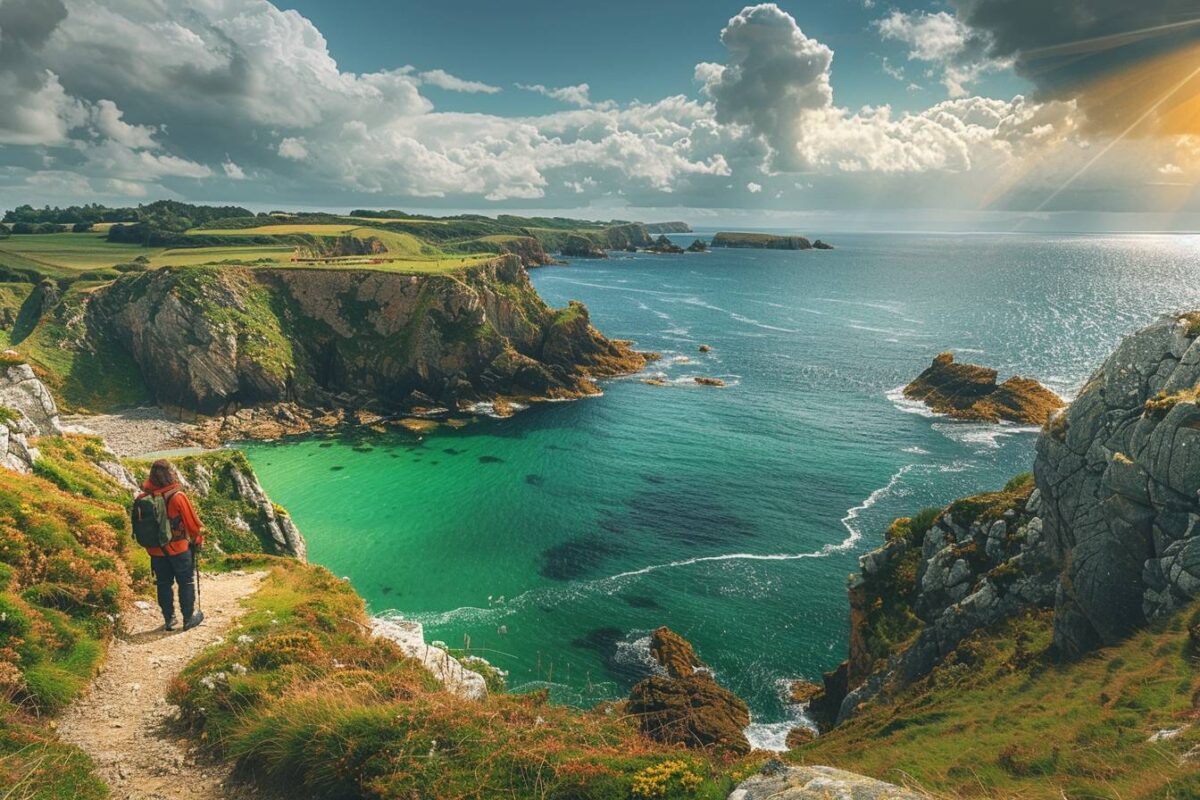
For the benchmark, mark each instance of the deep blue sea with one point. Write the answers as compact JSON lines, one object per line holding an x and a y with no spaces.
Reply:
{"x":557,"y":539}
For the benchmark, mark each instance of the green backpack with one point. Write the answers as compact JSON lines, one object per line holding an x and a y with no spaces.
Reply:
{"x":151,"y":524}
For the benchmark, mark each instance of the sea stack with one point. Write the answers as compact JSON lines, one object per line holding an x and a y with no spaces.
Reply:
{"x":970,"y":392}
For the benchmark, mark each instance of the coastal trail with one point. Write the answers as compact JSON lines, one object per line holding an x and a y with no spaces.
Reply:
{"x":124,"y":721}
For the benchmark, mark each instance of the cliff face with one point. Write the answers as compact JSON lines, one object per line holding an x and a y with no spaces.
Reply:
{"x":1119,"y":473}
{"x":212,"y":339}
{"x":1107,"y":534}
{"x":970,"y":392}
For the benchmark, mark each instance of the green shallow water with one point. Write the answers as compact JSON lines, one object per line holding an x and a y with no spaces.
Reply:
{"x":557,"y":539}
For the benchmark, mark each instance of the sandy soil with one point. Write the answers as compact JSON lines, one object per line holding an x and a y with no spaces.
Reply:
{"x":125,"y":722}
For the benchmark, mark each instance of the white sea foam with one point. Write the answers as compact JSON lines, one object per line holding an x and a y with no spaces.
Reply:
{"x":902,"y":403}
{"x":984,"y":436}
{"x":917,"y":451}
{"x":636,"y":653}
{"x":853,"y":514}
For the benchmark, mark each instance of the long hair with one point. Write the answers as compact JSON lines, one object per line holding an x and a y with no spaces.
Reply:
{"x":162,"y":473}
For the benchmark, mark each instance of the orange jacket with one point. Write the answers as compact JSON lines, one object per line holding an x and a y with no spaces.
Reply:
{"x":184,"y":522}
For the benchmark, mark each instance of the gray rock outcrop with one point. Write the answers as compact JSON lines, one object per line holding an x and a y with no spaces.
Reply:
{"x":970,"y":573}
{"x":1119,"y":473}
{"x":777,"y":782}
{"x":29,"y":411}
{"x":279,"y":524}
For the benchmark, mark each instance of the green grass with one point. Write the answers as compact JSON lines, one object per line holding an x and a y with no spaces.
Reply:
{"x":67,"y":565}
{"x":193,"y":256}
{"x":65,"y":253}
{"x":304,"y":700}
{"x":439,"y":266}
{"x":99,"y":377}
{"x":12,"y":298}
{"x":1002,"y":719}
{"x":282,"y":229}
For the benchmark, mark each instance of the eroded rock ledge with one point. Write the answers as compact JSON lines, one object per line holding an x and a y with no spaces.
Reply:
{"x":970,"y":392}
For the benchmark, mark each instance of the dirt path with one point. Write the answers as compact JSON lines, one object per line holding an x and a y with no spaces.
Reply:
{"x":123,"y":721}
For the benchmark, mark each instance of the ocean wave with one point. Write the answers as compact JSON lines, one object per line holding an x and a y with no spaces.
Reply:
{"x":874,"y":497}
{"x":890,"y":308}
{"x":699,"y":303}
{"x":914,"y":450}
{"x":636,"y":655}
{"x":902,"y":403}
{"x":981,"y":435}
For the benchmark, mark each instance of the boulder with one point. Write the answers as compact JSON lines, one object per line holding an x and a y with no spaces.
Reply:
{"x":693,"y":711}
{"x":970,"y":392}
{"x":778,"y":782}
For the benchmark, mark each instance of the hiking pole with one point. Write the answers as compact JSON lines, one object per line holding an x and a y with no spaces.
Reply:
{"x":196,"y":567}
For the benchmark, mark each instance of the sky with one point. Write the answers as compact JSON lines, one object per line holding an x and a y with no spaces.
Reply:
{"x":989,"y":114}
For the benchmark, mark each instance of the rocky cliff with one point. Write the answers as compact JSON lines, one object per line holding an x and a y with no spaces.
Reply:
{"x":212,"y":339}
{"x":1119,"y":473}
{"x":1106,"y":532}
{"x":668,"y":227}
{"x":970,"y":392}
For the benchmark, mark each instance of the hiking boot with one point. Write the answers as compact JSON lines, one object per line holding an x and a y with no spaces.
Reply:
{"x":171,"y":624}
{"x":193,"y":620}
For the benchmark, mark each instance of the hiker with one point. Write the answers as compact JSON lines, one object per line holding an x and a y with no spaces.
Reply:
{"x":165,"y":523}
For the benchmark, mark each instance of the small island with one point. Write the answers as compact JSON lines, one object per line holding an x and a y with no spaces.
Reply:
{"x":970,"y":392}
{"x":664,"y":245}
{"x":764,"y":241}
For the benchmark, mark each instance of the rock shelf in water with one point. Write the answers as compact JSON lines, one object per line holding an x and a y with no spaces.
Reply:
{"x":970,"y":392}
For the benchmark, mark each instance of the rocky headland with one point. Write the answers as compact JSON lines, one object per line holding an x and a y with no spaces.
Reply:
{"x":668,"y":227}
{"x":273,"y":351}
{"x":970,"y":392}
{"x":762,"y":241}
{"x":582,"y":247}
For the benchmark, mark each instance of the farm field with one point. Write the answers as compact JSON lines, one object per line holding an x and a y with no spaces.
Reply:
{"x":62,"y":255}
{"x":192,"y":256}
{"x":282,"y":229}
{"x":67,"y":252}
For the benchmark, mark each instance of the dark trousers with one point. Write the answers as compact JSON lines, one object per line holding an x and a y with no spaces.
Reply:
{"x":170,"y":570}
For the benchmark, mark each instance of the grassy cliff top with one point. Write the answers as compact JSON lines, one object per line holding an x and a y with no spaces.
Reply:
{"x":168,"y":234}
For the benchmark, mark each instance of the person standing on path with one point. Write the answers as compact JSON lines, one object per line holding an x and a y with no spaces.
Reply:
{"x":165,"y":523}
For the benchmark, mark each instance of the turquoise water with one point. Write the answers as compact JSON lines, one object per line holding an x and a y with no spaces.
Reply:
{"x":556,"y":540}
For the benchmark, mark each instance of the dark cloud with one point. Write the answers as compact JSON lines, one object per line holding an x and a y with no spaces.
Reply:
{"x":1061,"y":45}
{"x":25,"y":26}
